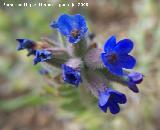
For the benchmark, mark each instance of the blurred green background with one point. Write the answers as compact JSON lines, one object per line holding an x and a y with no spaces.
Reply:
{"x":27,"y":102}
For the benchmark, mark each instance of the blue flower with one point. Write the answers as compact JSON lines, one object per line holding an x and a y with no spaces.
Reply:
{"x":72,"y":26}
{"x":115,"y":56}
{"x":110,"y":99}
{"x":42,"y":56}
{"x":25,"y":44}
{"x":71,"y":75}
{"x":133,"y":79}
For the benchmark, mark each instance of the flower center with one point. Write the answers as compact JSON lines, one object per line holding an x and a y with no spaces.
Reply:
{"x":111,"y":57}
{"x":75,"y":33}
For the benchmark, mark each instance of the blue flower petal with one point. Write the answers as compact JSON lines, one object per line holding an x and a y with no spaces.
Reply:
{"x":79,"y":21}
{"x":127,"y":61}
{"x":65,"y":24}
{"x":83,"y":31}
{"x":119,"y":97}
{"x":36,"y":60}
{"x":114,"y":108}
{"x":103,"y":98}
{"x":117,"y":70}
{"x":54,"y":24}
{"x":103,"y":108}
{"x":104,"y":59}
{"x":133,"y":87}
{"x":124,"y":46}
{"x":110,"y":44}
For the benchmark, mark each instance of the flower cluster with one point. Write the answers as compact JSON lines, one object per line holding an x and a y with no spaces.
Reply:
{"x":82,"y":63}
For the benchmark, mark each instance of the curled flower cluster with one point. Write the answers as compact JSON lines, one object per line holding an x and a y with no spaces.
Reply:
{"x":83,"y":64}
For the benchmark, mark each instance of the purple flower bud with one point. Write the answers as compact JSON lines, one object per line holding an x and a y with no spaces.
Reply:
{"x":136,"y":77}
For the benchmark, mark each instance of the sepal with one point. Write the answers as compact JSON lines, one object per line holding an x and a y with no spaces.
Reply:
{"x":53,"y":42}
{"x":75,"y":63}
{"x":92,"y":59}
{"x":60,"y":56}
{"x":79,"y":49}
{"x":94,"y":81}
